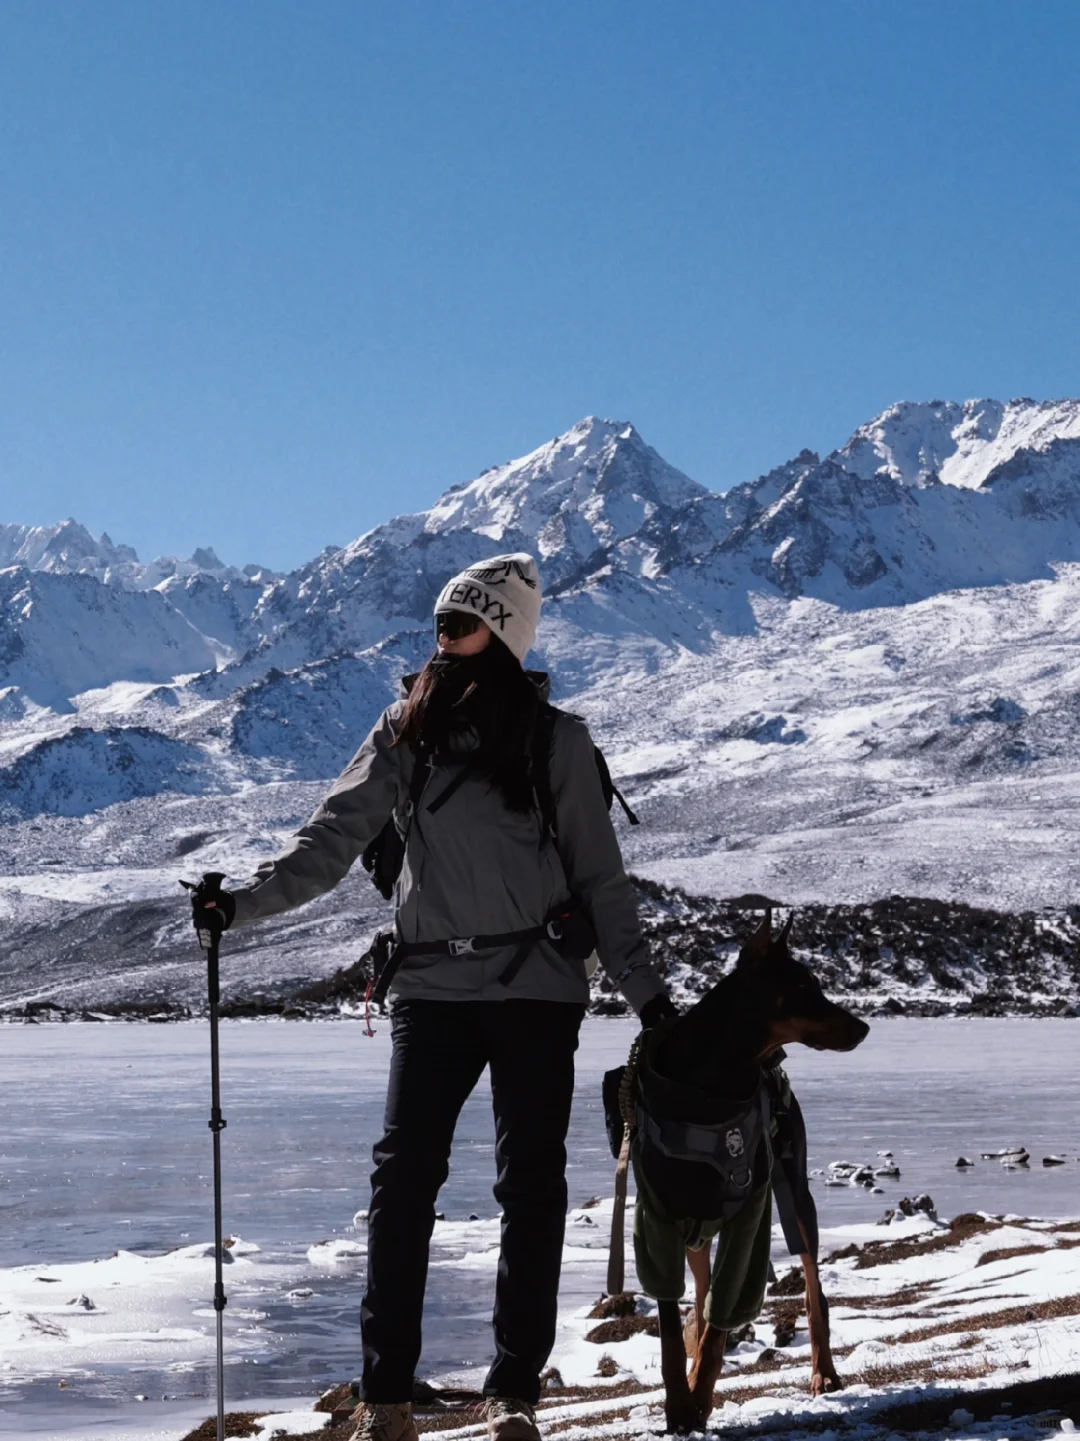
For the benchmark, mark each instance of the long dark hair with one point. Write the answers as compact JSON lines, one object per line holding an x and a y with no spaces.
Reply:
{"x":492,"y":696}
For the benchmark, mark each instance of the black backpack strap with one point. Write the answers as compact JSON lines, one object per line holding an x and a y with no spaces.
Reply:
{"x":450,"y":790}
{"x":384,"y":855}
{"x":540,"y":763}
{"x":420,"y":775}
{"x":609,"y":787}
{"x":630,"y":816}
{"x":543,"y":734}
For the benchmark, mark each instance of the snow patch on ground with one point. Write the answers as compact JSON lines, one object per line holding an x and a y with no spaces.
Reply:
{"x":124,"y":1309}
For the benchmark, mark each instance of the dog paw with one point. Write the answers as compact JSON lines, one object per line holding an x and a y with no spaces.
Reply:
{"x":683,"y":1420}
{"x":825,"y":1382}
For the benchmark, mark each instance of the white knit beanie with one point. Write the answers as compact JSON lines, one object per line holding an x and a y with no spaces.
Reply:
{"x":505,"y":593}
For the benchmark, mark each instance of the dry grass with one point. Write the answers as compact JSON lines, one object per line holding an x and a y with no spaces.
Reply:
{"x":1005,"y":1253}
{"x":921,"y":1372}
{"x":791,"y":1283}
{"x":905,"y":1296}
{"x":624,"y":1303}
{"x":1022,"y":1398}
{"x":994,"y":1320}
{"x":621,"y":1328}
{"x":237,"y":1423}
{"x":883,"y":1253}
{"x":560,"y":1397}
{"x":785,"y":1317}
{"x":738,"y":1394}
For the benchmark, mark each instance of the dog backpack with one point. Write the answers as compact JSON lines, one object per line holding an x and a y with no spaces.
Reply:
{"x":699,"y":1154}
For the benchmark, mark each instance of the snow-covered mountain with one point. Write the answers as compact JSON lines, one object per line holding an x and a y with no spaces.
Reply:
{"x":924,"y":499}
{"x":62,"y":634}
{"x":216,"y":599}
{"x":855,"y":675}
{"x":965,"y":445}
{"x":70,"y":549}
{"x":588,"y":501}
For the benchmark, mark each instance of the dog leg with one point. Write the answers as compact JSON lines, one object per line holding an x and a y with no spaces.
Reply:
{"x":823,"y":1377}
{"x":679,"y":1409}
{"x":700,"y":1262}
{"x":708,"y":1363}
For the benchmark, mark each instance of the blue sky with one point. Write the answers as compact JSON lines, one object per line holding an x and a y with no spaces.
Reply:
{"x":272,"y":272}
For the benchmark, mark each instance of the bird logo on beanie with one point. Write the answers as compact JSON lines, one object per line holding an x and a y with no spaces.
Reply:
{"x":504,"y":592}
{"x":499,"y":574}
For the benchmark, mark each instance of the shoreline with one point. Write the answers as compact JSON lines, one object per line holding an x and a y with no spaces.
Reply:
{"x":938,"y":1327}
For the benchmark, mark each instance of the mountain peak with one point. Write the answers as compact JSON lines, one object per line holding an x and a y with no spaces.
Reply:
{"x":600,"y":471}
{"x":206,"y":558}
{"x":959,"y":443}
{"x":67,"y":546}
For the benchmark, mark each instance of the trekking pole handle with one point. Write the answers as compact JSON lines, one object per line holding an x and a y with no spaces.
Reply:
{"x":209,"y":893}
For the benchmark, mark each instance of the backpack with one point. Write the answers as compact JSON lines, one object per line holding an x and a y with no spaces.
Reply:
{"x":385,"y":855}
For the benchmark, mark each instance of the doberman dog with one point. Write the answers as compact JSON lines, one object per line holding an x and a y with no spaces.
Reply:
{"x":798,"y":1221}
{"x":711,"y":1064}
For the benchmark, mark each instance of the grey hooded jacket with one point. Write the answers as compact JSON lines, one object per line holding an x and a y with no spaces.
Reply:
{"x":473,"y":867}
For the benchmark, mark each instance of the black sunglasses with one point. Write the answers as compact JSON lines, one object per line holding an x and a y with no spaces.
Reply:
{"x":454,"y":624}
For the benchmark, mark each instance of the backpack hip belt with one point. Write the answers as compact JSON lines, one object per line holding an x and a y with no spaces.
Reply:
{"x":555,"y":930}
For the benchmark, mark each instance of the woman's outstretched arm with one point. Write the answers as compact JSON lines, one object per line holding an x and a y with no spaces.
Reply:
{"x":321,"y":852}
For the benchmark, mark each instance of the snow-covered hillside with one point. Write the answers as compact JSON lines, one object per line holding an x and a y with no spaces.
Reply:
{"x":63,"y":634}
{"x":854,"y":676}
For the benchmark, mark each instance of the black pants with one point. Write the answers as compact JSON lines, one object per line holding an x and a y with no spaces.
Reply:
{"x":440,"y":1051}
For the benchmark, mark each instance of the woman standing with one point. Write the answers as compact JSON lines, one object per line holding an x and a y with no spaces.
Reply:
{"x":483,"y":872}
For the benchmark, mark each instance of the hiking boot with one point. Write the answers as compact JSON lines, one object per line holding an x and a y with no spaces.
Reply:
{"x":509,"y":1420}
{"x":378,"y":1422}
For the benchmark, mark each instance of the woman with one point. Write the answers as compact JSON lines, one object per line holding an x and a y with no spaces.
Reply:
{"x":480,"y":863}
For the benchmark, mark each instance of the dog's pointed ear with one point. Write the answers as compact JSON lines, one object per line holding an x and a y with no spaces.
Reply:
{"x":756,"y":950}
{"x":782,"y":939}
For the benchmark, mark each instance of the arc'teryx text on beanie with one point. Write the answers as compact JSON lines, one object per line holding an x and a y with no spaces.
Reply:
{"x":504,"y":592}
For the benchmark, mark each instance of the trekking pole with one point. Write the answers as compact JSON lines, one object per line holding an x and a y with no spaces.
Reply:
{"x":210,"y":940}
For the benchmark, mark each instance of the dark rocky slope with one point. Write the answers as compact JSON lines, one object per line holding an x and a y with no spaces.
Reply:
{"x":898,"y":956}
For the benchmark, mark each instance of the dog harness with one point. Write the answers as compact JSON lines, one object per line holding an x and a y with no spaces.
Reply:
{"x":699,"y":1153}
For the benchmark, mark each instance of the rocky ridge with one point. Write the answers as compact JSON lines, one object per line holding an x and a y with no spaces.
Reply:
{"x":903,"y":956}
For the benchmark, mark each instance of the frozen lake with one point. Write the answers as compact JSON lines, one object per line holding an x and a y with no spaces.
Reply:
{"x":105,"y":1146}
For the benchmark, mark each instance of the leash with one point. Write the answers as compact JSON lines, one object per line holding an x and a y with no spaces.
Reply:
{"x":616,"y":1273}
